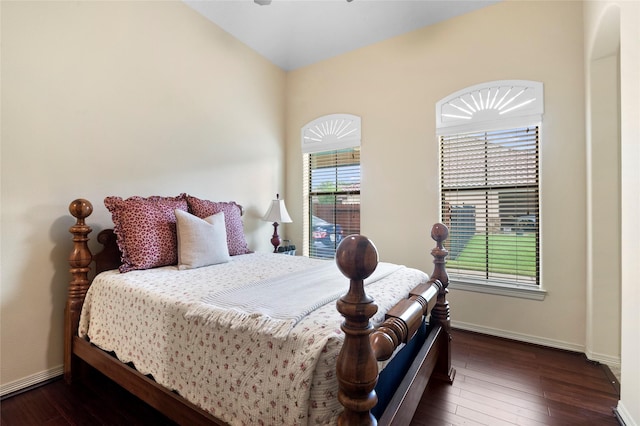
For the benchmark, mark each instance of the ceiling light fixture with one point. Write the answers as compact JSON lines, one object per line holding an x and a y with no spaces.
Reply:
{"x":268,"y":2}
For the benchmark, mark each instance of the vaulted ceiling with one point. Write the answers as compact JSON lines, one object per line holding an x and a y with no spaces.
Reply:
{"x":296,"y":33}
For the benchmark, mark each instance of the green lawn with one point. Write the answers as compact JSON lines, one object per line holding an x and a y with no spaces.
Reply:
{"x":508,"y":254}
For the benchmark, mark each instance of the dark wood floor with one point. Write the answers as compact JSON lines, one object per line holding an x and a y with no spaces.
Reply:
{"x":498,"y":382}
{"x":502,"y":382}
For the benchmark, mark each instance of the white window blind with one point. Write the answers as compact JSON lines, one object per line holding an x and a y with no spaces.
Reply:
{"x":490,"y":202}
{"x":334,"y":198}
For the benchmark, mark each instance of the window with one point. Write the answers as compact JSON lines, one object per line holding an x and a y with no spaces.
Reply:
{"x":489,"y":201}
{"x":334,"y":199}
{"x":489,"y":186}
{"x":331,"y":158}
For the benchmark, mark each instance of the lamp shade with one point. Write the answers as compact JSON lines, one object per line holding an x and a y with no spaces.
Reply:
{"x":277,"y":212}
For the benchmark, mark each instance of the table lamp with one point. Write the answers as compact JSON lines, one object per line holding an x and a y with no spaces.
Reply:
{"x":277,"y":214}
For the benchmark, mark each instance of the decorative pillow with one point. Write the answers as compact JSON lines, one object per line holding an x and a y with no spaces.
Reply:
{"x":201,"y":242}
{"x":232,"y":217}
{"x":146,"y":230}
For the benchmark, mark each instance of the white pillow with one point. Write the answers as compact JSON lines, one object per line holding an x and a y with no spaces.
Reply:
{"x":201,"y":242}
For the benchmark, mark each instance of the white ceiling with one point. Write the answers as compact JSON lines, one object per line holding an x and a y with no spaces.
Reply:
{"x":296,"y":33}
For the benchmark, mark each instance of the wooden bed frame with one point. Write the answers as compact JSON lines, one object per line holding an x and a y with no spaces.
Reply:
{"x":356,"y":368}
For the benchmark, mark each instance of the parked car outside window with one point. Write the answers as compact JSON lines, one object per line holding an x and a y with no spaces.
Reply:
{"x":526,"y":223}
{"x":325,"y":237}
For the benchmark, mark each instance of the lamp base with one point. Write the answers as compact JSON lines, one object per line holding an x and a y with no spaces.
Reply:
{"x":275,"y":238}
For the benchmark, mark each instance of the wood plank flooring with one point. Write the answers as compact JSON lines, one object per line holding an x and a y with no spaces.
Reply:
{"x":502,"y":382}
{"x":498,"y":382}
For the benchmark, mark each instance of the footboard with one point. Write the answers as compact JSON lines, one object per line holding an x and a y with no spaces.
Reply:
{"x":357,"y":368}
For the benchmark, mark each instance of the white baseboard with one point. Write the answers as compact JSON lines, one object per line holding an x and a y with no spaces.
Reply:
{"x":527,"y":338}
{"x":31,"y":380}
{"x":624,"y":415}
{"x":612,"y":362}
{"x":603,"y":358}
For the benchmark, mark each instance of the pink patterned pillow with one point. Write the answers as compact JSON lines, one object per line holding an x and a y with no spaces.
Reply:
{"x":232,"y":217}
{"x":146,"y":230}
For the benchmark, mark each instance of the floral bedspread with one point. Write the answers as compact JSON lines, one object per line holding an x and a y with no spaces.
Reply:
{"x":241,"y":378}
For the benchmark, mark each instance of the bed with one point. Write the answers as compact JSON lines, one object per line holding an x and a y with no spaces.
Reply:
{"x":202,"y":345}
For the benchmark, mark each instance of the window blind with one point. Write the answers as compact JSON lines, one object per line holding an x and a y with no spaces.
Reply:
{"x":490,"y":202}
{"x":334,"y":198}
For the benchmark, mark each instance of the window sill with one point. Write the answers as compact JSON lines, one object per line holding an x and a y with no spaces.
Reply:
{"x":511,"y":290}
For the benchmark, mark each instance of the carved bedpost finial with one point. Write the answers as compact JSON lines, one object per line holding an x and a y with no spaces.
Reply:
{"x":357,"y":368}
{"x":80,"y":209}
{"x":439,"y":233}
{"x":79,"y":261}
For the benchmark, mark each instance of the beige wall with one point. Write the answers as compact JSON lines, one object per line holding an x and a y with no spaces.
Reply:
{"x":603,"y":207}
{"x":610,"y":25}
{"x":603,"y":196}
{"x":394,"y":86}
{"x":118,"y":98}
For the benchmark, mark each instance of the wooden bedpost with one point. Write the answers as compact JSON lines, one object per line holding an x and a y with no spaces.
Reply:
{"x":357,"y":368}
{"x":440,"y":312}
{"x":79,"y":262}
